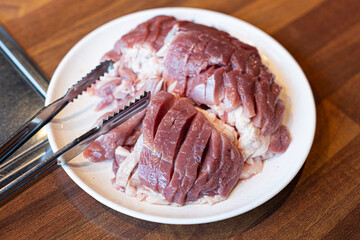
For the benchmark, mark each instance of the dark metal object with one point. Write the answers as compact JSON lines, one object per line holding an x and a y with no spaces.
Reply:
{"x":11,"y":182}
{"x":23,"y":63}
{"x":18,"y":101}
{"x":22,"y":94}
{"x":47,"y":113}
{"x":17,"y":166}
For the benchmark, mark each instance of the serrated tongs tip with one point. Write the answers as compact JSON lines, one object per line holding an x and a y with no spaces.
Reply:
{"x":143,"y":99}
{"x":82,"y":85}
{"x":115,"y":119}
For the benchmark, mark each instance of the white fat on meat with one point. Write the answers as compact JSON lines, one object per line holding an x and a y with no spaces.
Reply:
{"x":141,"y":59}
{"x":251,"y":141}
{"x":172,"y":86}
{"x":147,"y":66}
{"x":127,"y":167}
{"x":122,"y":152}
{"x":251,"y":167}
{"x":124,"y":90}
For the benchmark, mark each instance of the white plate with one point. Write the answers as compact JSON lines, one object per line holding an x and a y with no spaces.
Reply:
{"x":94,"y":178}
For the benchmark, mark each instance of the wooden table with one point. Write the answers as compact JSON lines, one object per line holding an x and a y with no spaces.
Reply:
{"x":322,"y":201}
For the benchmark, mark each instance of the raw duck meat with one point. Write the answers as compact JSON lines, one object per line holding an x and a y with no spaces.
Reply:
{"x":215,"y":114}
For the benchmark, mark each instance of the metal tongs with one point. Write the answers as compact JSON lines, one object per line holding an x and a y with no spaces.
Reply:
{"x":11,"y":179}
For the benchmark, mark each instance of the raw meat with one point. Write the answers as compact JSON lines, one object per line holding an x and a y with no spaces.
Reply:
{"x":224,"y":110}
{"x":169,"y":162}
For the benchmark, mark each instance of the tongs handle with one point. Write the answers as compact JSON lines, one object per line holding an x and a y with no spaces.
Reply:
{"x":45,"y":115}
{"x":12,"y":180}
{"x":26,"y":131}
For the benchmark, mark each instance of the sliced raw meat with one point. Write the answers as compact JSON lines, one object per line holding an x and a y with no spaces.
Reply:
{"x":157,"y":158}
{"x":266,"y":96}
{"x":160,"y":105}
{"x":208,"y":88}
{"x":188,"y":160}
{"x":231,"y":167}
{"x":220,"y":170}
{"x":207,"y":181}
{"x":189,"y":153}
{"x":186,"y":143}
{"x":197,"y":50}
{"x":169,"y":137}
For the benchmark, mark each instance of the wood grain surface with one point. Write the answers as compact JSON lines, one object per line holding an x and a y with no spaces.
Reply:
{"x":323,"y":201}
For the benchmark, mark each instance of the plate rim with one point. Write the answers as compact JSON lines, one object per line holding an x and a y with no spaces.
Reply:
{"x":172,"y":220}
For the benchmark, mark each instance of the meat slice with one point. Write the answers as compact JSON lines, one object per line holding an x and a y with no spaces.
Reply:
{"x":176,"y":61}
{"x":159,"y":152}
{"x":160,"y":105}
{"x":207,"y":180}
{"x":208,"y":87}
{"x":245,"y":86}
{"x":266,"y":96}
{"x":188,"y":160}
{"x":169,"y":137}
{"x":186,"y":143}
{"x":232,"y":97}
{"x":220,"y":170}
{"x":230,"y":167}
